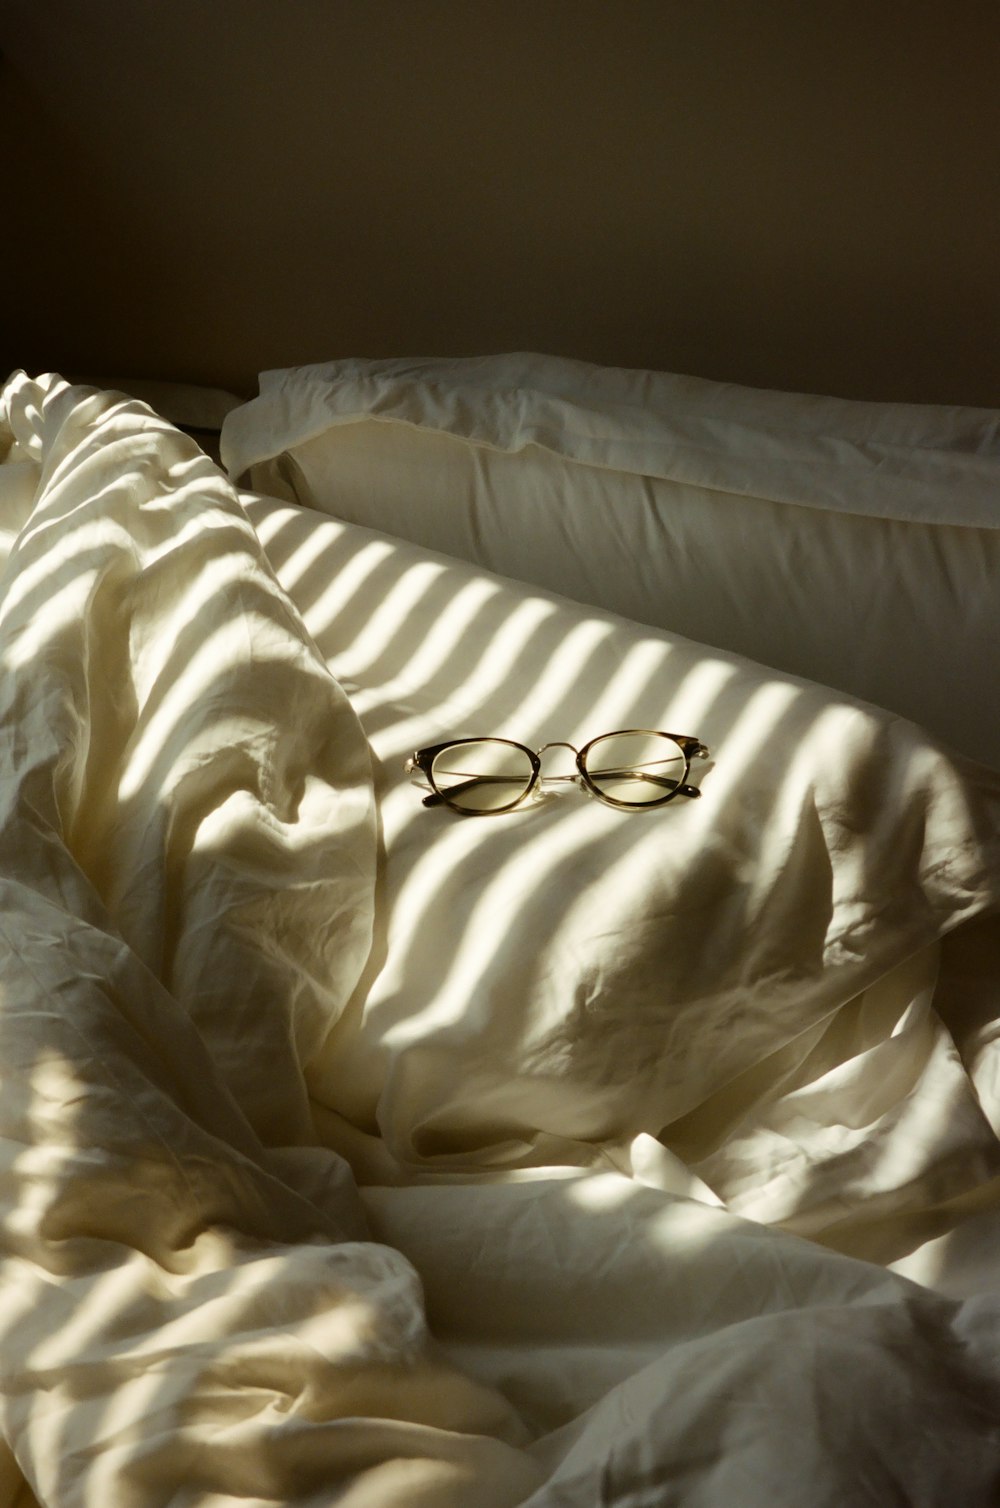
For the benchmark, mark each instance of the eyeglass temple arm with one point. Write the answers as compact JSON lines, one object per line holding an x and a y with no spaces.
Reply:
{"x":435,"y":798}
{"x":664,"y":780}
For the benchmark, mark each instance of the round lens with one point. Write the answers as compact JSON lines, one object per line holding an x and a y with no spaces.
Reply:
{"x":636,"y":769}
{"x":487,"y":775}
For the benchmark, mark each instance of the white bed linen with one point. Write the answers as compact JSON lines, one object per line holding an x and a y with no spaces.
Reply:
{"x":856,"y":544}
{"x":190,"y":1311}
{"x":216,"y":971}
{"x":746,"y":978}
{"x":558,"y":1266}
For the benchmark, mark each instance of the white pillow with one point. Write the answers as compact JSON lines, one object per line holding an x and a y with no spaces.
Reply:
{"x":735,"y":989}
{"x":856,"y":544}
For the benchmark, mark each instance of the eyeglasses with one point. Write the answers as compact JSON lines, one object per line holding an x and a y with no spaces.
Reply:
{"x":633,"y":769}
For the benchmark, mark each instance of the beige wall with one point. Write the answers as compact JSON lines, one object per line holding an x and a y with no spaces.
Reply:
{"x":782,"y":192}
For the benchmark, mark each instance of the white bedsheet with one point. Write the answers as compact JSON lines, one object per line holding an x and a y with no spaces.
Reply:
{"x":234,"y":988}
{"x":733,"y":994}
{"x":189,"y":1309}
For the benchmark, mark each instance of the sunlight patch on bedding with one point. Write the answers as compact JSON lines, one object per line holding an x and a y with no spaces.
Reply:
{"x":562,"y":668}
{"x":510,"y":893}
{"x":473,"y":682}
{"x":479,"y":680}
{"x":101,"y":1301}
{"x":224,"y":647}
{"x":703,"y":685}
{"x":343,"y":1329}
{"x":835,"y":727}
{"x":22,"y":1288}
{"x":150,"y":1393}
{"x":748,"y":736}
{"x":599,"y":1192}
{"x":153,"y":486}
{"x":501,"y":901}
{"x":449,"y":649}
{"x":350,"y":578}
{"x":680,"y":1225}
{"x":635,"y":697}
{"x":394,"y":617}
{"x":302,"y":558}
{"x":612,"y":898}
{"x":200,"y":523}
{"x":382,"y":620}
{"x":67,"y":602}
{"x":634,"y":694}
{"x":420,"y":892}
{"x":622,"y":701}
{"x":244,"y":811}
{"x":408,"y":733}
{"x":53,"y":564}
{"x":838,"y":736}
{"x":689,"y":1226}
{"x":60,"y":609}
{"x":327,"y":1303}
{"x":268,"y":522}
{"x":197,"y":509}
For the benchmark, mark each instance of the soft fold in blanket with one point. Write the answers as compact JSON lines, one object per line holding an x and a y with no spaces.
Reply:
{"x":189,"y":1312}
{"x":195,"y":1308}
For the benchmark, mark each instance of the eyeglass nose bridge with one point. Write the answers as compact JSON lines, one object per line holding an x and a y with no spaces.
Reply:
{"x":560,"y":743}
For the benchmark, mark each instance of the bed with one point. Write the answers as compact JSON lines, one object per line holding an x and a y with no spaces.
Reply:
{"x":359,"y":1151}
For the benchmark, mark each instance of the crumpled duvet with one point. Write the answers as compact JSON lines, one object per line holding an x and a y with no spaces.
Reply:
{"x":190,"y":1309}
{"x":198,"y":1307}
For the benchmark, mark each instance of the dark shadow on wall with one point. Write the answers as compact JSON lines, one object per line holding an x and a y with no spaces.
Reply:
{"x":225,"y":189}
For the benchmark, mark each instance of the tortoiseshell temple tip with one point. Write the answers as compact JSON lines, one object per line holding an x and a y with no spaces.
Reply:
{"x":688,"y":790}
